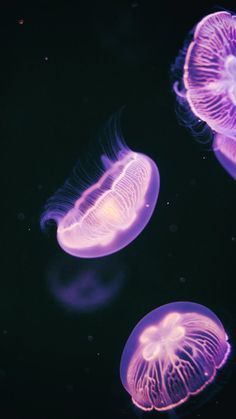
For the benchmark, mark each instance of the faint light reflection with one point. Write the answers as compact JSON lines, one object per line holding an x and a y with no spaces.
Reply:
{"x":85,"y":285}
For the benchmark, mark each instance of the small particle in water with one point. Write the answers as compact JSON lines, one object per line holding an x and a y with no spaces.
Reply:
{"x":21,"y":216}
{"x":192,"y":182}
{"x":173,"y":228}
{"x":69,"y":388}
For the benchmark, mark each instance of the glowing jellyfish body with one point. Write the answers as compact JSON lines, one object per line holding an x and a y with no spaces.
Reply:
{"x":225,"y":151}
{"x":209,"y":72}
{"x":173,"y":352}
{"x":111,"y":212}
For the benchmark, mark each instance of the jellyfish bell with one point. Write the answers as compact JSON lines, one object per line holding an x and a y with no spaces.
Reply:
{"x":107,"y":218}
{"x":173,"y":352}
{"x":209,"y":72}
{"x":224,"y":148}
{"x":206,"y":73}
{"x":113,"y":209}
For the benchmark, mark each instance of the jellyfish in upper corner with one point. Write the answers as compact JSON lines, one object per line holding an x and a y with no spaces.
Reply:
{"x":224,"y":148}
{"x":205,"y":73}
{"x":174,"y":352}
{"x":114,"y":206}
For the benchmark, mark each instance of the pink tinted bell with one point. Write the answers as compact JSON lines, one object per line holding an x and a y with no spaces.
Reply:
{"x":225,"y":151}
{"x":210,"y":72}
{"x":173,"y":352}
{"x":113,"y":211}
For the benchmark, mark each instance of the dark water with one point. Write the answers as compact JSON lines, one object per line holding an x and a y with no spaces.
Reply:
{"x":65,"y":70}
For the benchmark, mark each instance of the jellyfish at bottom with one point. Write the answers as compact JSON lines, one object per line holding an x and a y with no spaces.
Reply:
{"x":111,"y":211}
{"x":205,"y":73}
{"x":173,"y":352}
{"x":225,"y":151}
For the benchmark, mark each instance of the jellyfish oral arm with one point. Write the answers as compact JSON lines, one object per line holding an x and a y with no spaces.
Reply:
{"x":230,"y":65}
{"x":226,"y":83}
{"x":158,"y":342}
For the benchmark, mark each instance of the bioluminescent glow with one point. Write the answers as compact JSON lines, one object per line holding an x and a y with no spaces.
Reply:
{"x":225,"y":151}
{"x":82,"y":287}
{"x":207,"y":72}
{"x":173,"y":352}
{"x":110,"y":212}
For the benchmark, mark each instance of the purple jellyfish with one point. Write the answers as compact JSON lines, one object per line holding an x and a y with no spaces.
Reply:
{"x":225,"y":151}
{"x":83,"y":287}
{"x":173,"y":352}
{"x":209,"y":72}
{"x":110,"y":212}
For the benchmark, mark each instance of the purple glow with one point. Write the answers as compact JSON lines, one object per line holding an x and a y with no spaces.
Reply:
{"x":208,"y":67}
{"x":111,"y":212}
{"x":225,"y":152}
{"x":173,"y":352}
{"x":84,"y":287}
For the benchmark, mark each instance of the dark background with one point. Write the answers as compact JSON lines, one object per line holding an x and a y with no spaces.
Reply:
{"x":64,"y":71}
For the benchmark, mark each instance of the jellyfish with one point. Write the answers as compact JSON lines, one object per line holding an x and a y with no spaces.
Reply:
{"x":114,"y":206}
{"x":208,"y":71}
{"x":80,"y":286}
{"x":173,"y":352}
{"x":225,"y":151}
